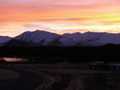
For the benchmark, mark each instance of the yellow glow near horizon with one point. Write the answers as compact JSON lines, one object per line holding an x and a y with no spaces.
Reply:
{"x":59,"y":16}
{"x":59,"y":28}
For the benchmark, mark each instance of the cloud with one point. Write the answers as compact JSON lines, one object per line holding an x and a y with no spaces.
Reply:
{"x":30,"y":25}
{"x":34,"y":26}
{"x":54,"y":2}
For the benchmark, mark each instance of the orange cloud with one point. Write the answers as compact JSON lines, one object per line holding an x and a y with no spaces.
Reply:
{"x":52,"y":11}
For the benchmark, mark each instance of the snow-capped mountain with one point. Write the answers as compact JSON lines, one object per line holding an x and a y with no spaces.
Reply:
{"x":38,"y":38}
{"x":4,"y":39}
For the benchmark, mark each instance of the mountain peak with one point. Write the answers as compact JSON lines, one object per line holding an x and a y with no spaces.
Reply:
{"x":37,"y":36}
{"x":37,"y":30}
{"x":42,"y":37}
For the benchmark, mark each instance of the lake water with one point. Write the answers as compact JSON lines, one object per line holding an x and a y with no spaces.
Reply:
{"x":12,"y":59}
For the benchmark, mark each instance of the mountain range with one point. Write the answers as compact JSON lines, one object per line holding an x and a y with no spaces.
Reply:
{"x":44,"y":38}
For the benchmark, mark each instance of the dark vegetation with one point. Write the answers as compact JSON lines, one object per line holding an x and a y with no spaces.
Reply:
{"x":62,"y":76}
{"x":59,"y":54}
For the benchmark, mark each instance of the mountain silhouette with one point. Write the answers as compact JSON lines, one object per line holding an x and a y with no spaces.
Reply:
{"x":4,"y":40}
{"x":44,"y":38}
{"x":35,"y":38}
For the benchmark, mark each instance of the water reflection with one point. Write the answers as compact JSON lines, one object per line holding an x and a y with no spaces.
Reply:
{"x":12,"y":59}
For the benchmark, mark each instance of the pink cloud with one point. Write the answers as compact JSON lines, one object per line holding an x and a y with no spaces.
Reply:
{"x":56,"y":2}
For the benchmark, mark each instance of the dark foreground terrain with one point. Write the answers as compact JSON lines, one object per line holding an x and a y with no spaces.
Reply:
{"x":61,"y":68}
{"x":62,"y":76}
{"x":68,"y":54}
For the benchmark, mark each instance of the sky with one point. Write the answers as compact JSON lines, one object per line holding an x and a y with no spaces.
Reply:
{"x":59,"y":16}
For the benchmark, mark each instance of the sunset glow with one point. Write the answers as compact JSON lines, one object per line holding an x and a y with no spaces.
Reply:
{"x":59,"y":16}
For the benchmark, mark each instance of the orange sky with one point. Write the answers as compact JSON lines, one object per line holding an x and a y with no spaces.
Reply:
{"x":59,"y":16}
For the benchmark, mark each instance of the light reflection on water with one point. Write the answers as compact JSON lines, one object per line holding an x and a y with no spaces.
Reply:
{"x":12,"y":59}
